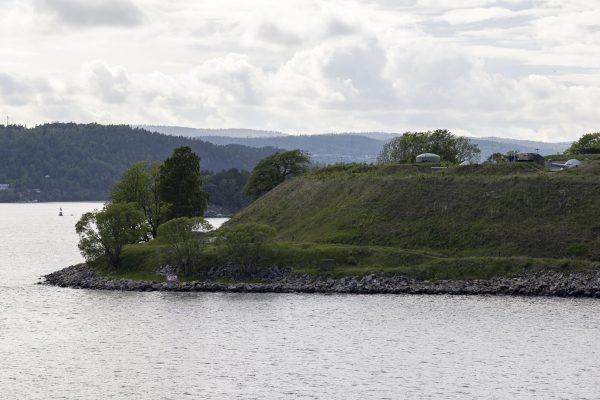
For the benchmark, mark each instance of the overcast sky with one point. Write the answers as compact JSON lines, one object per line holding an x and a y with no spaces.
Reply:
{"x":521,"y":69}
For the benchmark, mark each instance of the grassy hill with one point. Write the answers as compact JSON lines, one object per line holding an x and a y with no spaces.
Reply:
{"x":475,"y":221}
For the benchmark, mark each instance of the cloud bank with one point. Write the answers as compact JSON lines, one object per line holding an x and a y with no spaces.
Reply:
{"x":522,"y":69}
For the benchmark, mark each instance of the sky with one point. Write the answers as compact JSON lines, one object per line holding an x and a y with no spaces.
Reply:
{"x":527,"y":69}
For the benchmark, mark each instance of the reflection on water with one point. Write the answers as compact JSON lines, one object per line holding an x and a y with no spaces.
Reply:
{"x":79,"y":344}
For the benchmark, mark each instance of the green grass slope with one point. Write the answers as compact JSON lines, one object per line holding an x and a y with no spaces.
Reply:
{"x":504,"y":217}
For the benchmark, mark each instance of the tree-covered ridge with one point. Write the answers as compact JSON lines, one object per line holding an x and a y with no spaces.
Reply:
{"x":71,"y":162}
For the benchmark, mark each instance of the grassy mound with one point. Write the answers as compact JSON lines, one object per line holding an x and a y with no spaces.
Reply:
{"x":473,"y":221}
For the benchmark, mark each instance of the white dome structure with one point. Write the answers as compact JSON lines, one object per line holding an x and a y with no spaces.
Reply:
{"x":428,"y":157}
{"x":572,"y":163}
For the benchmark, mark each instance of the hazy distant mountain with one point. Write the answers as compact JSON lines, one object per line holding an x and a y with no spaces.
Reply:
{"x":350,"y":147}
{"x":330,"y":148}
{"x":324,"y":149}
{"x":200,"y":133}
{"x":530,"y":145}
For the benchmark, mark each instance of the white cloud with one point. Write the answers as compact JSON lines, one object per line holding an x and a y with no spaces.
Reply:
{"x":88,"y":13}
{"x":487,"y":67}
{"x":469,"y":15}
{"x":110,"y":83}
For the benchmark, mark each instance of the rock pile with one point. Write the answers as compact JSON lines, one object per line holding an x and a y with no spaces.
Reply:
{"x":578,"y":284}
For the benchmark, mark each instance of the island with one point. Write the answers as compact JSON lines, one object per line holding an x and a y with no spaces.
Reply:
{"x":511,"y":228}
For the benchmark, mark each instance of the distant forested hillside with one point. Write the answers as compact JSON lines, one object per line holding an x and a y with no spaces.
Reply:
{"x":349,"y":146}
{"x":73,"y":162}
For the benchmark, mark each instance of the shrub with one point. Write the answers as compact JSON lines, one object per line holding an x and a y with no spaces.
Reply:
{"x":182,"y":236}
{"x":245,"y":245}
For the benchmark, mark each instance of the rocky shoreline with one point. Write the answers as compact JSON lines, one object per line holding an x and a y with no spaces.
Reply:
{"x":577,"y":284}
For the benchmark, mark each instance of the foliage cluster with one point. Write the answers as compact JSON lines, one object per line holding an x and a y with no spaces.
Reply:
{"x":103,"y":234}
{"x":184,"y":238}
{"x":450,"y":148}
{"x":226,"y":189}
{"x":275,"y":169}
{"x":157,"y":193}
{"x":588,"y":143}
{"x":245,"y":244}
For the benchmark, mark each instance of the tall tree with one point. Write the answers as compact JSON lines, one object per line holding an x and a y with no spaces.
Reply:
{"x":140,"y":185}
{"x":106,"y":232}
{"x":180,"y":184}
{"x":451,"y":148}
{"x":274,"y":169}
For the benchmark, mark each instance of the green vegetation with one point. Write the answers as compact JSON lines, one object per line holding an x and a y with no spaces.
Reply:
{"x":226,"y":189}
{"x":152,"y":199}
{"x":465,"y":221}
{"x":181,"y":235}
{"x":103,"y":234}
{"x":140,"y":185}
{"x":245,"y":245}
{"x":450,"y":148}
{"x":587,"y":144}
{"x":77,"y":162}
{"x":275,"y":169}
{"x":180,"y":184}
{"x":468,"y":222}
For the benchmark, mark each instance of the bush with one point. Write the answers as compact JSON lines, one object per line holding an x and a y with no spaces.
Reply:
{"x":182,"y":237}
{"x":578,"y":250}
{"x":245,"y":245}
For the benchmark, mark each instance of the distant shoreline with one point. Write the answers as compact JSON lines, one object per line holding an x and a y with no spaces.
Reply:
{"x":550,"y":283}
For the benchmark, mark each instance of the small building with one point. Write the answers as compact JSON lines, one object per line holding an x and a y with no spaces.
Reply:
{"x":428,"y":157}
{"x":4,"y":186}
{"x":529,"y":157}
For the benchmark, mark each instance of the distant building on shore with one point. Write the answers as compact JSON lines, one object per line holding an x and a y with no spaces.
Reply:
{"x":4,"y":186}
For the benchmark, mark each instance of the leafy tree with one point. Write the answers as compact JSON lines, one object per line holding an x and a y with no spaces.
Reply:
{"x":181,"y":184}
{"x":588,"y":143}
{"x":182,"y":236}
{"x":140,"y":185}
{"x":275,"y":169}
{"x":497,"y":157}
{"x":450,"y":148}
{"x":245,"y":244}
{"x":106,"y":232}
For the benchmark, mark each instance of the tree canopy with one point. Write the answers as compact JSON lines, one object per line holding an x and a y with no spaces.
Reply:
{"x":104,"y":233}
{"x":275,"y":169}
{"x":140,"y":185}
{"x":180,"y":184}
{"x":588,"y":143}
{"x":450,"y":148}
{"x":182,"y":237}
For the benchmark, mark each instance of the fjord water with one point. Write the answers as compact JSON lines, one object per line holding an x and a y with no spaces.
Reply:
{"x":58,"y":343}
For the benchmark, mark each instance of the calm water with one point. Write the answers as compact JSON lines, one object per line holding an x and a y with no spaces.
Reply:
{"x":79,"y":344}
